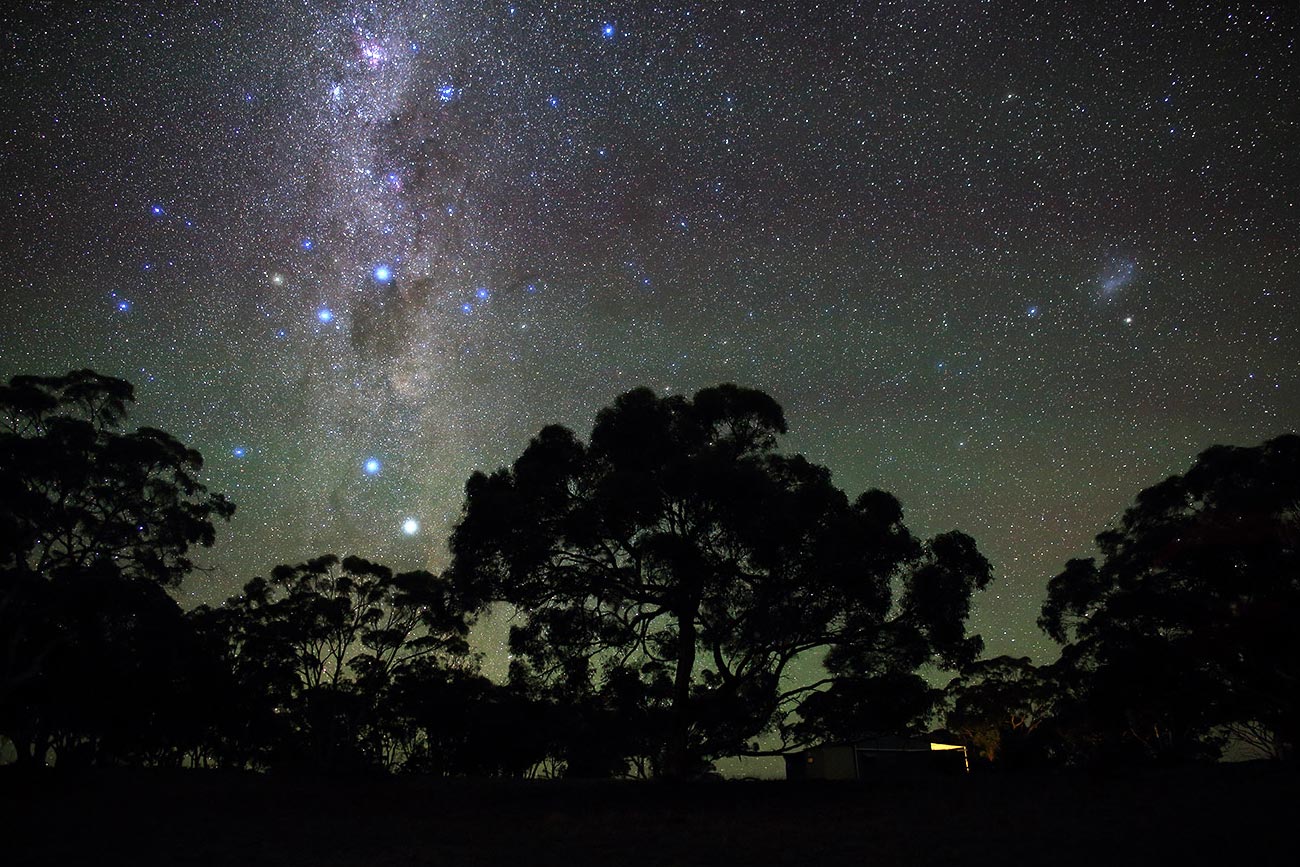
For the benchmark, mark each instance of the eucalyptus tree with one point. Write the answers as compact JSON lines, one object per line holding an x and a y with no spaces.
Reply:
{"x":680,"y":545}
{"x":89,"y":510}
{"x":1186,"y":626}
{"x":320,"y":644}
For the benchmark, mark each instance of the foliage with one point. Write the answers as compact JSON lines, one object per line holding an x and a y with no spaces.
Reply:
{"x":1187,"y":623}
{"x":857,"y":707}
{"x":94,"y":522}
{"x":679,"y":545}
{"x":322,"y":643}
{"x":997,"y":704}
{"x":78,"y":493}
{"x":666,"y":577}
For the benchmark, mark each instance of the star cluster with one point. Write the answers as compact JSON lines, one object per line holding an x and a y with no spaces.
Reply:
{"x":1012,"y":261}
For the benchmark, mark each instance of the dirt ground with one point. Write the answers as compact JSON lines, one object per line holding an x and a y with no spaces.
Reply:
{"x":1228,"y":814}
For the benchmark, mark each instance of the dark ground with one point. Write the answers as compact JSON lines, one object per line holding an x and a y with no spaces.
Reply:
{"x":1228,"y":814}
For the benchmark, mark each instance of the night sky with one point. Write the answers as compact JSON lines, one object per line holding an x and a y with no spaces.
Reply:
{"x":1010,"y":261}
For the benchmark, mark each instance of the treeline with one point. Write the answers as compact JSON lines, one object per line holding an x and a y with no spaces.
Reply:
{"x":682,"y":592}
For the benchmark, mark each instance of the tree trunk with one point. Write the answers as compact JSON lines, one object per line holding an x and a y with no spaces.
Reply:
{"x":677,"y":760}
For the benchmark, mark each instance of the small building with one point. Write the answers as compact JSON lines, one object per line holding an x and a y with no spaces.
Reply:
{"x":879,"y":758}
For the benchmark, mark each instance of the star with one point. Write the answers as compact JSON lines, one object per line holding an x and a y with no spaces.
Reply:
{"x":325,"y":315}
{"x":239,"y":452}
{"x":372,"y":466}
{"x":383,"y":273}
{"x":410,"y":527}
{"x":608,"y":31}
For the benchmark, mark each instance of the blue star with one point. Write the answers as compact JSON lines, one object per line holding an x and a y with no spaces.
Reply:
{"x":532,"y":288}
{"x":157,"y":210}
{"x":307,"y":244}
{"x":608,"y":31}
{"x":383,"y":274}
{"x":467,"y":307}
{"x":239,"y":452}
{"x":481,"y":293}
{"x":371,"y":467}
{"x":325,"y":315}
{"x":447,"y":93}
{"x":1031,"y":312}
{"x":553,"y":101}
{"x":124,"y":306}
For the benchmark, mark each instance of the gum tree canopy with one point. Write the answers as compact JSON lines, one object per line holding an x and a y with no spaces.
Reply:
{"x":1188,"y":622}
{"x":78,"y":493}
{"x":679,"y":547}
{"x":95,"y":521}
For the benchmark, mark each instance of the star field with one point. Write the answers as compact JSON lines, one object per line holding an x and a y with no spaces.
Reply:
{"x":1011,"y":261}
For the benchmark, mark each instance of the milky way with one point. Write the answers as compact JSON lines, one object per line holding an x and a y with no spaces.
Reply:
{"x":1011,"y":261}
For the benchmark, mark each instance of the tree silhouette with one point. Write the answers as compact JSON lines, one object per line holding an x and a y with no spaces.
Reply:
{"x":997,"y":704}
{"x":681,"y":546}
{"x":858,"y":707}
{"x":87,"y":511}
{"x":1187,"y":623}
{"x":874,"y":686}
{"x":322,"y":642}
{"x":77,"y":492}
